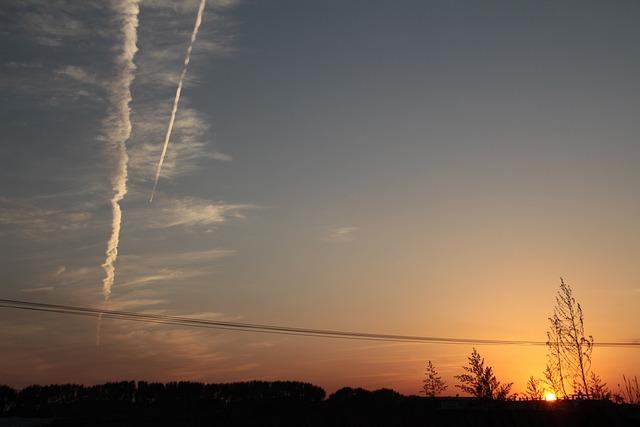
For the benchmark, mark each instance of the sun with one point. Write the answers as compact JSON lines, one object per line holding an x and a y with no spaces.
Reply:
{"x":550,"y":396}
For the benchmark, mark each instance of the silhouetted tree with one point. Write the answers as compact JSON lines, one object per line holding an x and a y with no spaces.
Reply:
{"x":554,"y":373}
{"x":8,"y":397}
{"x":597,"y":388}
{"x":349,"y":393}
{"x":149,"y":393}
{"x":480,"y":381}
{"x":569,"y":348}
{"x":534,"y":391}
{"x":433,"y":383}
{"x":552,"y":381}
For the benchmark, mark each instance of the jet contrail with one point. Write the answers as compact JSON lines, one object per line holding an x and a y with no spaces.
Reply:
{"x":118,"y":128}
{"x":176,"y":100}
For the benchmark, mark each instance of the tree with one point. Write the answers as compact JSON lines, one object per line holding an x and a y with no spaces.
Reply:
{"x":480,"y":381}
{"x":534,"y":391}
{"x":552,"y":381}
{"x":8,"y":397}
{"x":554,"y":374}
{"x":569,"y":349}
{"x":597,"y":389}
{"x":433,"y":383}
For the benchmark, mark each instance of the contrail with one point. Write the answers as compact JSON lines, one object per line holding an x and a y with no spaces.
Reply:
{"x":118,"y":128}
{"x":176,"y":100}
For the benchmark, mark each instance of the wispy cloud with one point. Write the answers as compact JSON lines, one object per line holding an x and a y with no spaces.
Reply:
{"x":169,"y":26}
{"x":164,"y":35}
{"x":127,"y":304}
{"x":78,"y":74}
{"x":74,"y":277}
{"x":168,"y":269}
{"x":38,"y":289}
{"x":341,"y":234}
{"x":164,"y":261}
{"x":144,"y":279}
{"x":63,"y":87}
{"x":190,"y":212}
{"x":191,"y":144}
{"x":23,"y":217}
{"x":188,"y":5}
{"x":52,"y":23}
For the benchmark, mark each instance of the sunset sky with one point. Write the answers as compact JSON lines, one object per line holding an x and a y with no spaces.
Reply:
{"x":403,"y":167}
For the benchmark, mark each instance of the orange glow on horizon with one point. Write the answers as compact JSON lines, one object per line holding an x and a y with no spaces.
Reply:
{"x":550,"y":396}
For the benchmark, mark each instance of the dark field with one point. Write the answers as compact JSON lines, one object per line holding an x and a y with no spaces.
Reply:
{"x":285,"y":403}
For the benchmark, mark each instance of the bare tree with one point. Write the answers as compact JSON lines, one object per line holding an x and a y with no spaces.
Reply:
{"x":552,"y":381}
{"x":554,"y":375}
{"x":569,"y":349}
{"x":480,"y":381}
{"x":534,"y":390}
{"x":433,"y":383}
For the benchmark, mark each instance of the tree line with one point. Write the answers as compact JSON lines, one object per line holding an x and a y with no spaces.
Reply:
{"x":43,"y":400}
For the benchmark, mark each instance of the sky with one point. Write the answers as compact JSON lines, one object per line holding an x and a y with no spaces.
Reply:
{"x":408,"y":167}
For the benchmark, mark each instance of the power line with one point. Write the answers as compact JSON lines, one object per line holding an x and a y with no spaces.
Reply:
{"x":271,"y":329}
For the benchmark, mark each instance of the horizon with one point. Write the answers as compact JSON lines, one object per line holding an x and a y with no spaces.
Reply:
{"x":419,"y":168}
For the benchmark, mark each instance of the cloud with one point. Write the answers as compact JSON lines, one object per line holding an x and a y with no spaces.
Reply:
{"x":144,"y":280}
{"x":23,"y":65}
{"x":78,"y":74}
{"x":190,"y":144}
{"x":190,"y":212}
{"x":53,"y":23}
{"x":22,"y":217}
{"x":190,"y":257}
{"x":163,"y":264}
{"x":164,"y":36}
{"x":268,"y":343}
{"x":153,"y":278}
{"x":166,"y":269}
{"x":139,"y":271}
{"x":38,"y":289}
{"x":341,"y":234}
{"x":128,"y":304}
{"x":71,"y":277}
{"x":182,"y":352}
{"x":53,"y":31}
{"x":205,"y":315}
{"x":188,"y":5}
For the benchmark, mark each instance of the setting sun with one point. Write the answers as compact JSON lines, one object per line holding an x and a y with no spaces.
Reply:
{"x":550,"y":396}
